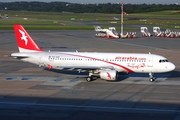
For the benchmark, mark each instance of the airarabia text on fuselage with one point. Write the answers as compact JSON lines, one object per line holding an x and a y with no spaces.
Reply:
{"x":129,"y":58}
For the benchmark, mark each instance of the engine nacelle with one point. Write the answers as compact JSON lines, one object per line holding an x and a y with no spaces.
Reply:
{"x":108,"y":74}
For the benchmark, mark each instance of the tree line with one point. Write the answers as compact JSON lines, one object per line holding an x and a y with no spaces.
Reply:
{"x":85,"y":8}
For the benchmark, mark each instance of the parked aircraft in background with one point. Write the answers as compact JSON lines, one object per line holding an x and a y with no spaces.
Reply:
{"x":115,"y":18}
{"x":103,"y":65}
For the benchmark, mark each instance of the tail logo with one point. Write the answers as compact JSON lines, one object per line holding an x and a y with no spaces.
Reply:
{"x":24,"y":37}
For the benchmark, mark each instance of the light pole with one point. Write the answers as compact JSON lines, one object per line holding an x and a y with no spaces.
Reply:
{"x":122,"y":12}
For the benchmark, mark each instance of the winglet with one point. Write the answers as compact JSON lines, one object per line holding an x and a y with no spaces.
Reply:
{"x":24,"y":40}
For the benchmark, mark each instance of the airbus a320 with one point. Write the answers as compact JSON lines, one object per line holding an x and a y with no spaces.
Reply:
{"x":103,"y":65}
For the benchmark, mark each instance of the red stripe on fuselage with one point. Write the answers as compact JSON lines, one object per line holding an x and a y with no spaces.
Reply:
{"x":127,"y":69}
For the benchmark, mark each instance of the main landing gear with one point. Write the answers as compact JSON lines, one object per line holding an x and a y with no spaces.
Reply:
{"x":89,"y":79}
{"x":151,"y":79}
{"x":92,"y":76}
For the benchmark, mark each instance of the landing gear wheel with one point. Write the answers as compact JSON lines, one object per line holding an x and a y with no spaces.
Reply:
{"x":151,"y":79}
{"x":89,"y":79}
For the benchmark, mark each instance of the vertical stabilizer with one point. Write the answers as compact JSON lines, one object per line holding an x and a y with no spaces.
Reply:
{"x":24,"y":41}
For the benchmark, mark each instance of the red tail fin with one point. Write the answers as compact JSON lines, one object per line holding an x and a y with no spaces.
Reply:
{"x":24,"y":40}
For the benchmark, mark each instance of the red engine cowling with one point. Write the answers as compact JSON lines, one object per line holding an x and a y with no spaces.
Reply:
{"x":108,"y":74}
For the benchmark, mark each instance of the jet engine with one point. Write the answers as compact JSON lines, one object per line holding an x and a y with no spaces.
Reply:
{"x":108,"y":74}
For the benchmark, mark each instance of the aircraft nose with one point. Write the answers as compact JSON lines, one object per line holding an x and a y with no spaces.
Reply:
{"x":171,"y":67}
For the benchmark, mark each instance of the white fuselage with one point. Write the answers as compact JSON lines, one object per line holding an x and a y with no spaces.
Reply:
{"x":103,"y":65}
{"x":121,"y":62}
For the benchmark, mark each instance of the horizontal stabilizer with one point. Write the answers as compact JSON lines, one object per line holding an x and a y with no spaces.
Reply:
{"x":19,"y":55}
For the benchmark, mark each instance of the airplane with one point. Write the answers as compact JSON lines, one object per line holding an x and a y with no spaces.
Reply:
{"x":106,"y":66}
{"x":115,"y":18}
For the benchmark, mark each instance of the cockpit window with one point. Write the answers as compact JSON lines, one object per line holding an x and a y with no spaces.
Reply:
{"x":163,"y":60}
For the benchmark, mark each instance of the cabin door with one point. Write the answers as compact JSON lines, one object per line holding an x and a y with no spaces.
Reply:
{"x":150,"y":62}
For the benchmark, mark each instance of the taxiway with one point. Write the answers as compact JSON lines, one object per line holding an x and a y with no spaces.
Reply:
{"x":29,"y":92}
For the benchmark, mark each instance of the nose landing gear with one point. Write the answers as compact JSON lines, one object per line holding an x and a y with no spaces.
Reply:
{"x":151,"y":78}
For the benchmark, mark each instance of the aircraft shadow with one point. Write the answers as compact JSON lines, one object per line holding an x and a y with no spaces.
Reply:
{"x":121,"y":76}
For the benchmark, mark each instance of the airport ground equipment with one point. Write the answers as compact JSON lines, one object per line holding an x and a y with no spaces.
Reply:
{"x":167,"y":33}
{"x":106,"y":33}
{"x":145,"y":32}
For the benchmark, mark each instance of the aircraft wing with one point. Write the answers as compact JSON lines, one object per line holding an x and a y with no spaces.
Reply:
{"x":85,"y":68}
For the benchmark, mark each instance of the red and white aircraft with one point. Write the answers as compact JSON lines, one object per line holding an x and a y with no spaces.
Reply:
{"x":103,"y":65}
